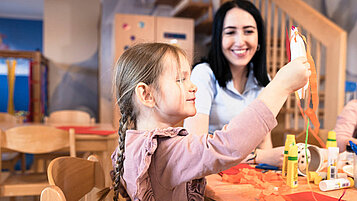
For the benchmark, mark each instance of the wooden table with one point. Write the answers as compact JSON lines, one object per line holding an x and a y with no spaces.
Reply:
{"x":223,"y":191}
{"x":101,"y":145}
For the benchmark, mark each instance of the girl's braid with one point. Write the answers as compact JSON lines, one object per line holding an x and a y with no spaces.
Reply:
{"x":126,"y":121}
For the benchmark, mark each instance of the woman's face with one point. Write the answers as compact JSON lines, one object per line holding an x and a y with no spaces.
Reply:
{"x":239,"y":37}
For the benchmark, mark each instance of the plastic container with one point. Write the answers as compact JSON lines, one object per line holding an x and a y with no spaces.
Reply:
{"x":331,"y":139}
{"x":315,"y":157}
{"x":292,"y":169}
{"x":332,"y":162}
{"x":334,"y":184}
{"x":290,"y":140}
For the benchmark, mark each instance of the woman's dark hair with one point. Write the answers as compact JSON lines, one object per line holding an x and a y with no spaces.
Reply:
{"x":218,"y":62}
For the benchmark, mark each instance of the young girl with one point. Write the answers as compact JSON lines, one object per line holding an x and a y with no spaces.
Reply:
{"x":155,"y":161}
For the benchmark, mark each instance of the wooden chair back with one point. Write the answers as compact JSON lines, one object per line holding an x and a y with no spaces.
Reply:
{"x":6,"y":117}
{"x":72,"y":178}
{"x":71,"y":117}
{"x":38,"y":139}
{"x":10,"y":159}
{"x":35,"y":140}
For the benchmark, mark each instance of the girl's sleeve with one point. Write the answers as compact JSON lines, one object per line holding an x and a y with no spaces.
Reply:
{"x":191,"y":157}
{"x":346,"y":124}
{"x":203,"y":77}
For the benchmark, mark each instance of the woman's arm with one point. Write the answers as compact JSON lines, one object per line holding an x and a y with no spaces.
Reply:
{"x":265,"y":153}
{"x":197,"y":125}
{"x":272,"y":156}
{"x":266,"y":143}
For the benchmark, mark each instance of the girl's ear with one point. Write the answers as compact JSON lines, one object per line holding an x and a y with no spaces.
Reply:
{"x":144,"y":94}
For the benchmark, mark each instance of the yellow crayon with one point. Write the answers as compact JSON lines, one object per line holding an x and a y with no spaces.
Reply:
{"x":292,"y":175}
{"x":290,"y":139}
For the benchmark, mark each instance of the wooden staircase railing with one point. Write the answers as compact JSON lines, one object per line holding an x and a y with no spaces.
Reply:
{"x":328,"y":48}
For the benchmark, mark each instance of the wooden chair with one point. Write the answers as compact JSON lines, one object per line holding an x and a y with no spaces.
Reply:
{"x":63,"y":118}
{"x":34,"y":140}
{"x":8,"y":118}
{"x":10,"y":159}
{"x":72,"y":178}
{"x":70,"y":117}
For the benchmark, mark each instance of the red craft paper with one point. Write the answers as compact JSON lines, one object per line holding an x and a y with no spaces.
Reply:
{"x":87,"y":130}
{"x":307,"y":196}
{"x":75,"y":127}
{"x":96,"y":132}
{"x":235,"y":169}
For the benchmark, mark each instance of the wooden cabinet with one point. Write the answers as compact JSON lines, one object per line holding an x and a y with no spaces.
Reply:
{"x":134,"y":29}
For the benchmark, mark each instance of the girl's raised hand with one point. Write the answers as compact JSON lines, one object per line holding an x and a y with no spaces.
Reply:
{"x":294,"y":75}
{"x":290,"y":78}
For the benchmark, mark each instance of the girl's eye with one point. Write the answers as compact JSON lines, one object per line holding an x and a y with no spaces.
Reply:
{"x":181,"y":79}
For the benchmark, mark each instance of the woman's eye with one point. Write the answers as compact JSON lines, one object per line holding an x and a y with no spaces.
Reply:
{"x":229,"y":32}
{"x":249,"y":31}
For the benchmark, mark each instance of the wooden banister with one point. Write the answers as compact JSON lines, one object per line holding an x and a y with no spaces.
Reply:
{"x":317,"y":24}
{"x":329,"y":43}
{"x":335,"y":41}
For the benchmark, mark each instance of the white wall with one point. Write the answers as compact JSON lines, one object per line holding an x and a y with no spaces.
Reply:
{"x":71,"y":34}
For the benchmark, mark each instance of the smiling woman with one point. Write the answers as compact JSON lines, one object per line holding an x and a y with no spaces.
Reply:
{"x":233,"y":74}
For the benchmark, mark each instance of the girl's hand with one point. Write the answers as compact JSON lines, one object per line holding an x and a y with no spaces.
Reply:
{"x":294,"y":75}
{"x":290,"y":78}
{"x":272,"y":156}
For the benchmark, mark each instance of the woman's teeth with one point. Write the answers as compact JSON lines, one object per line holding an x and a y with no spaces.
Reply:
{"x":240,"y":51}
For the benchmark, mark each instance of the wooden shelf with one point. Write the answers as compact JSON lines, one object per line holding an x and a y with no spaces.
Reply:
{"x":190,"y":9}
{"x":20,"y":54}
{"x":39,"y":66}
{"x":204,"y":23}
{"x":167,"y":2}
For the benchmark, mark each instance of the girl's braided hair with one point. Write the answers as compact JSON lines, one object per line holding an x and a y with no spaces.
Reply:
{"x":140,"y":63}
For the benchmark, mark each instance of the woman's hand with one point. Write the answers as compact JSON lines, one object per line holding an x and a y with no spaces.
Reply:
{"x":272,"y":156}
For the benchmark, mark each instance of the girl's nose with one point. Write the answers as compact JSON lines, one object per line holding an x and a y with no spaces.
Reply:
{"x":193,"y":88}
